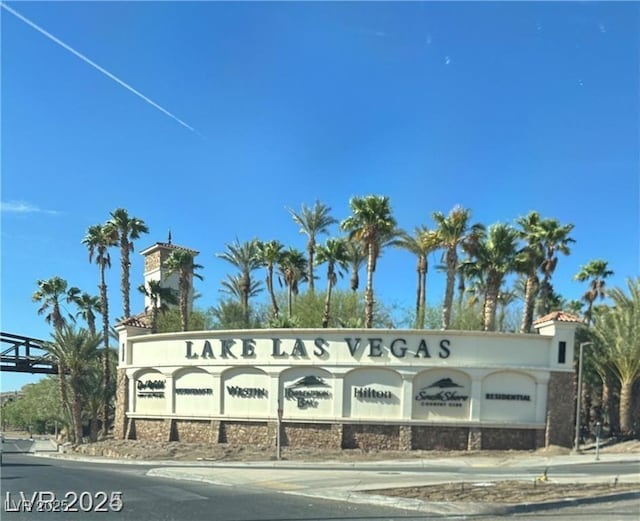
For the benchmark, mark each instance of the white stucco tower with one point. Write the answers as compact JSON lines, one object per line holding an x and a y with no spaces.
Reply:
{"x":155,"y":257}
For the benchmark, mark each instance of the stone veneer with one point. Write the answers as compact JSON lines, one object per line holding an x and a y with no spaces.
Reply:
{"x":440,"y":438}
{"x":314,"y":435}
{"x":381,"y":437}
{"x":194,"y":431}
{"x":122,"y":397}
{"x":560,"y":409}
{"x":515,"y":439}
{"x":246,"y":433}
{"x":337,"y":436}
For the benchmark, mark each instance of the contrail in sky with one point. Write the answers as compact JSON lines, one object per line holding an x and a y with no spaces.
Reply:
{"x":96,"y":66}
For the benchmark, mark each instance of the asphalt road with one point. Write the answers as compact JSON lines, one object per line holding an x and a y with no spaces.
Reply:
{"x":146,"y":498}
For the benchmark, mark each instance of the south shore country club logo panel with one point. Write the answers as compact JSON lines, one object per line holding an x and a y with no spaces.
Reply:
{"x":374,"y":347}
{"x":443,"y":393}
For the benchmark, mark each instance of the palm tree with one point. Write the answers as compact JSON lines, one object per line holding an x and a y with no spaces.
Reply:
{"x":88,"y":306}
{"x":617,"y":329}
{"x":554,"y":239}
{"x":127,"y":229}
{"x":98,"y":240}
{"x":596,"y":271}
{"x":334,"y":253}
{"x":160,"y":297}
{"x":505,"y":299}
{"x":268,"y":254}
{"x":356,"y":258}
{"x":293,"y":268}
{"x":495,"y":257}
{"x":245,"y":257}
{"x":313,"y":221}
{"x":423,"y":242}
{"x":372,"y":224}
{"x":233,"y":285}
{"x":181,"y":261}
{"x":51,"y":293}
{"x":528,"y":261}
{"x":74,"y":351}
{"x":453,"y":230}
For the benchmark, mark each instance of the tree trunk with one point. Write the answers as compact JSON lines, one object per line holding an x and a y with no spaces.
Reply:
{"x":124,"y":281}
{"x":106,"y":377}
{"x":327,"y":301}
{"x":610,"y":395}
{"x":93,"y":429}
{"x":368,"y":296}
{"x":421,"y":297}
{"x":493,"y":288}
{"x":452,"y":264}
{"x":64,"y":397}
{"x":77,"y":411}
{"x":626,"y":392}
{"x":311,"y":251}
{"x":184,"y":297}
{"x":274,"y":303}
{"x":531,"y":290}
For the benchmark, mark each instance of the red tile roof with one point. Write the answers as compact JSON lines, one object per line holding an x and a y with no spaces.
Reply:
{"x":136,"y":321}
{"x":559,"y":316}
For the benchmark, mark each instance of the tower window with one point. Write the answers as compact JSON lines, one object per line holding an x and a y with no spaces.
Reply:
{"x":562,"y":352}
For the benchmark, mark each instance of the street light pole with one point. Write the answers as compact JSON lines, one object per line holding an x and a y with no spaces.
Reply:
{"x":576,"y":447}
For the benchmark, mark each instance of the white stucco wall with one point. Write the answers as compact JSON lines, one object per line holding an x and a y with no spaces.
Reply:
{"x":357,"y":375}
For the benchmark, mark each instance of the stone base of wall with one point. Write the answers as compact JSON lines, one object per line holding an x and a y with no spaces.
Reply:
{"x":440,"y":438}
{"x":152,"y":430}
{"x":193,"y":431}
{"x":120,"y":426}
{"x":336,"y":436}
{"x":246,"y":433}
{"x":312,"y":435}
{"x":381,"y":437}
{"x":512,"y":439}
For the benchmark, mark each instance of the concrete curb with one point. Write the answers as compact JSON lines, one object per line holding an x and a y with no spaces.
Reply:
{"x":336,"y":465}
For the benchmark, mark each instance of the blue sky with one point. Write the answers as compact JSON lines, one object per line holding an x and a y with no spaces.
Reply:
{"x":500,"y":107}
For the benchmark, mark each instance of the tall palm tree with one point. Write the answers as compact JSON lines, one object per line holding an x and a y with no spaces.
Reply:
{"x":423,"y":242}
{"x":160,"y":297}
{"x":245,"y":257}
{"x":268,"y":254}
{"x":313,"y":221}
{"x":495,"y":258}
{"x":52,"y":293}
{"x":555,"y":239}
{"x":98,"y":240}
{"x":293,"y":269}
{"x":453,"y":230}
{"x":596,"y":271}
{"x":74,"y":351}
{"x":372,"y":224}
{"x":127,"y":229}
{"x":617,"y":329}
{"x":182,"y":262}
{"x":88,"y":306}
{"x":334,"y":254}
{"x":528,"y":261}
